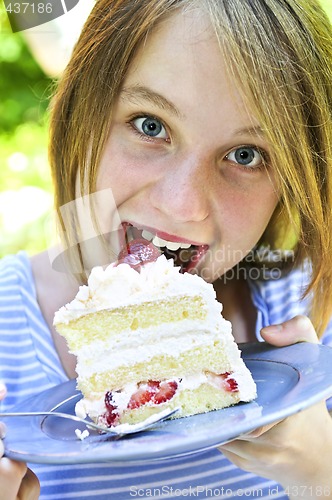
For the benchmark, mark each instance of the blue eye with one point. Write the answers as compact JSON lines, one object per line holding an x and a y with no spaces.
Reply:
{"x":150,"y":127}
{"x":246,"y":156}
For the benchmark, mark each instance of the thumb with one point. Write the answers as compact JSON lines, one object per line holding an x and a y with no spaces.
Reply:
{"x":297,"y":329}
{"x":30,"y":487}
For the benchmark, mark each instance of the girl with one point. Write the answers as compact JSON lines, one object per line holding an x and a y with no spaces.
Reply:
{"x":207,"y":122}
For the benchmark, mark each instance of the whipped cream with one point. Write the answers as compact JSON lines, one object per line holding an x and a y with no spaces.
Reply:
{"x":120,"y":285}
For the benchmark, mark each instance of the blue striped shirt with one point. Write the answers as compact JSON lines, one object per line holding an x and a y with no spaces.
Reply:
{"x":29,"y":364}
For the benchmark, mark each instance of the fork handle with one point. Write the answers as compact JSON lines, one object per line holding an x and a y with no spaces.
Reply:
{"x":54,"y":414}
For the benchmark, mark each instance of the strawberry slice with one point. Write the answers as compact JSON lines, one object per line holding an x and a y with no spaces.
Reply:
{"x":230,"y":383}
{"x":111,"y":415}
{"x":153,"y":392}
{"x":166,"y":392}
{"x":143,"y":395}
{"x":137,"y":253}
{"x":223,"y":381}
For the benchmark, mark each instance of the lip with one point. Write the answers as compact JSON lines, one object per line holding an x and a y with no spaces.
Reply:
{"x":162,"y":234}
{"x":198,"y":250}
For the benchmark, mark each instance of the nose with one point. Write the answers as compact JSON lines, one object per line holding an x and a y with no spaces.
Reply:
{"x":182,"y":191}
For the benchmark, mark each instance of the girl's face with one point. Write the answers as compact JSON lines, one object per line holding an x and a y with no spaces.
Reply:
{"x":186,"y":160}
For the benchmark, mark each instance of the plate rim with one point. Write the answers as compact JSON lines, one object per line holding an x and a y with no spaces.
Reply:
{"x":251,"y":351}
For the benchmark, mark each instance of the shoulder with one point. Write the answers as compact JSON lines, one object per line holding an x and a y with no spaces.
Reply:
{"x":291,"y":286}
{"x":15,"y":271}
{"x":17,"y":290}
{"x":281,"y":297}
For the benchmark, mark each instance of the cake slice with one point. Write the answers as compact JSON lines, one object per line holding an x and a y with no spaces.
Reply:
{"x":149,"y":340}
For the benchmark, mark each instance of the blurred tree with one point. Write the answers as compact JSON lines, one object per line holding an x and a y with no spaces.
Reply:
{"x":24,"y":88}
{"x":25,"y":92}
{"x":327,"y":4}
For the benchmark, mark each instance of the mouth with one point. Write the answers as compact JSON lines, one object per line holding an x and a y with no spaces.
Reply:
{"x":143,"y":245}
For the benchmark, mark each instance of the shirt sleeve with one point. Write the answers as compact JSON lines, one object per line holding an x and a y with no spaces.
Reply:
{"x":281,"y":298}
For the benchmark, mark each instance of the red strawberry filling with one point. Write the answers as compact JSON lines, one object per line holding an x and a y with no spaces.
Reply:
{"x":224,"y":381}
{"x":151,"y":392}
{"x":230,"y":384}
{"x":111,"y":414}
{"x":155,"y":392}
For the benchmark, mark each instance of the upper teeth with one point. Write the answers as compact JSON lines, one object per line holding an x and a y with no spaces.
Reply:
{"x":159,"y":242}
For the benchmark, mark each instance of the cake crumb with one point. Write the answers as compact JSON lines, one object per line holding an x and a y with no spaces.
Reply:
{"x":82,"y":434}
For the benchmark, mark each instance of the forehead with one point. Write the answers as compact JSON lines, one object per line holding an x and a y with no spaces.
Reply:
{"x":182,"y":60}
{"x":180,"y":38}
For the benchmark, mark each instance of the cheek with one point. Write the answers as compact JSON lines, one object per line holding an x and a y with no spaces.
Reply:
{"x":251,"y":212}
{"x":245,"y":220}
{"x":125,"y":168}
{"x":239,"y":232}
{"x":118,"y":173}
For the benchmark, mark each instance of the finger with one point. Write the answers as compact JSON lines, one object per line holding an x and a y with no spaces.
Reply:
{"x":2,"y":435}
{"x":249,"y":458}
{"x":246,"y":456}
{"x":298,"y":329}
{"x":3,"y":391}
{"x":30,"y":487}
{"x":2,"y":430}
{"x":233,"y":457}
{"x":256,"y":433}
{"x":11,"y":475}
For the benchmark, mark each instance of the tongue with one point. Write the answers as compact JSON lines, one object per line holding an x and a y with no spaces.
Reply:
{"x":137,"y":253}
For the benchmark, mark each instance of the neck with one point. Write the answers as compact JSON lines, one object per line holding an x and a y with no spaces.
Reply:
{"x":54,"y":289}
{"x":237,"y":308}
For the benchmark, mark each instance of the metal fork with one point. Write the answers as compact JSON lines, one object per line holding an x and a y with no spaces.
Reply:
{"x":119,"y":430}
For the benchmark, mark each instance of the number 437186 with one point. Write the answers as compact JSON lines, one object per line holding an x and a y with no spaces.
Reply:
{"x":308,"y":491}
{"x":29,"y":8}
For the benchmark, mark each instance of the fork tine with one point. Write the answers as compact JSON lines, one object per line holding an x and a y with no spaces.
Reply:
{"x":125,"y":429}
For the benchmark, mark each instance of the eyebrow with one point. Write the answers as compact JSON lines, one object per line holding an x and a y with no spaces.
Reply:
{"x":255,"y":130}
{"x":141,"y":93}
{"x":137,"y":93}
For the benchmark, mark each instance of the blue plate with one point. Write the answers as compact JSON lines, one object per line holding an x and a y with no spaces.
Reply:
{"x":288,"y":380}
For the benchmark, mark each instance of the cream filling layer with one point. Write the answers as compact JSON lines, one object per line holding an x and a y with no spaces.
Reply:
{"x":95,"y":408}
{"x":213,"y":326}
{"x":100,"y":357}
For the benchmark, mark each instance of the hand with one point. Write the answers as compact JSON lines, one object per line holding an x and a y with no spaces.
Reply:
{"x":295,"y":452}
{"x":17,"y":482}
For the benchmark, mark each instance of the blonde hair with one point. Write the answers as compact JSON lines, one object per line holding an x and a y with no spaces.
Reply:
{"x":280,"y":53}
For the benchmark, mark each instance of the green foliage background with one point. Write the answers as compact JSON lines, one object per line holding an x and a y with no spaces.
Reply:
{"x":327,"y":4}
{"x":25,"y":93}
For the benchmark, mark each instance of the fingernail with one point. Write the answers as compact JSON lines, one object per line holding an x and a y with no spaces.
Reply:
{"x":273,"y":329}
